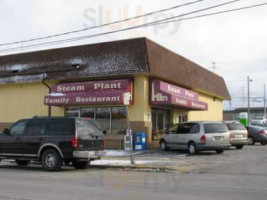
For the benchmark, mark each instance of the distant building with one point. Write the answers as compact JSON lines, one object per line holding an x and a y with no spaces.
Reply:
{"x":255,"y":113}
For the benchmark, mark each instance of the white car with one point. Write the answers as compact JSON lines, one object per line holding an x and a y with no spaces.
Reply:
{"x":197,"y":136}
{"x":261,"y":121}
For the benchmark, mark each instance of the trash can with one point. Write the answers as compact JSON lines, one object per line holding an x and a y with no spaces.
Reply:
{"x":139,"y":141}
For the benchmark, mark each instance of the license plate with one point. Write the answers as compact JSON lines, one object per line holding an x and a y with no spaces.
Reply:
{"x":238,"y":136}
{"x":218,"y":138}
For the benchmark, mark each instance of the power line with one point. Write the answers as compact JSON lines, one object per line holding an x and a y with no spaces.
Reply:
{"x":159,"y":22}
{"x":100,"y":26}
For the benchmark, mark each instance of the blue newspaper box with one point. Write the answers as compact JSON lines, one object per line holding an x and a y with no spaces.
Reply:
{"x":139,"y":141}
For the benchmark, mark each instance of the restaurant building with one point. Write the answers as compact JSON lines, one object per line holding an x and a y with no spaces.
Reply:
{"x":90,"y":80}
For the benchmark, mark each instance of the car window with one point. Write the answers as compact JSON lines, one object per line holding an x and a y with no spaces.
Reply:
{"x":184,"y":128}
{"x":235,"y":126}
{"x":18,"y":128}
{"x":195,"y":128}
{"x":215,"y":128}
{"x":86,"y":127}
{"x":35,"y":127}
{"x":173,"y":129}
{"x":61,"y":127}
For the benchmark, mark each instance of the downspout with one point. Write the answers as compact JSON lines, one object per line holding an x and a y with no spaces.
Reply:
{"x":50,"y":90}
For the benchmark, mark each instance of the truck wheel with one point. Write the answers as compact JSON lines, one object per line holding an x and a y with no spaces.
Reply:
{"x":51,"y":160}
{"x":22,"y":162}
{"x":263,"y":143}
{"x":80,"y":164}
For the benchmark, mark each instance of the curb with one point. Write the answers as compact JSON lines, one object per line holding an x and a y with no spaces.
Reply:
{"x":144,"y":168}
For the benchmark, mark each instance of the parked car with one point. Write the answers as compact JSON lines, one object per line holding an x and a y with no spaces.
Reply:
{"x":53,"y":141}
{"x":238,"y":134}
{"x":197,"y":136}
{"x":259,"y":121}
{"x":257,"y":134}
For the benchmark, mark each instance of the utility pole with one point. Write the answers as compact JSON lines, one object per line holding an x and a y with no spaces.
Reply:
{"x":213,"y":66}
{"x":243,"y":96}
{"x":264,"y":100}
{"x":249,"y":80}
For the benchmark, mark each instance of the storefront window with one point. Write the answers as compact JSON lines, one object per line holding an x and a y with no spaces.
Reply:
{"x":111,"y":119}
{"x":119,"y":120}
{"x":104,"y":119}
{"x":88,"y":113}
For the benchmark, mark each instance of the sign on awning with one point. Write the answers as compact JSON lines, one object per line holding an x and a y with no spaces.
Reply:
{"x":162,"y":93}
{"x":89,"y":93}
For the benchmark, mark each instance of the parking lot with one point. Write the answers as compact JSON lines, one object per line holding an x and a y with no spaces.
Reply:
{"x":236,"y":174}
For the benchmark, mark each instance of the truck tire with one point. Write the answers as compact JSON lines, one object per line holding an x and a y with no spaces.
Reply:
{"x":51,"y":160}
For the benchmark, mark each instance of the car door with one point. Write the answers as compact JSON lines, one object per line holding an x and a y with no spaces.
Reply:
{"x":11,"y":143}
{"x":181,"y":138}
{"x":33,"y":137}
{"x":170,"y":135}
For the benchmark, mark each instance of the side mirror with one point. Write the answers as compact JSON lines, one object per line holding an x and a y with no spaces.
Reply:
{"x":6,"y":131}
{"x":104,"y":132}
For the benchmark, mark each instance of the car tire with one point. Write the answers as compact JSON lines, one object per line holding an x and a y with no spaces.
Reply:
{"x":80,"y":164}
{"x":251,"y":140}
{"x":192,"y":149}
{"x":22,"y":162}
{"x":239,"y":146}
{"x":51,"y":160}
{"x":163,"y":146}
{"x":263,"y":143}
{"x":219,"y":151}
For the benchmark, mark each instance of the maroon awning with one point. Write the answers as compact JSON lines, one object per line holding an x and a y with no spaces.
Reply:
{"x":163,"y":93}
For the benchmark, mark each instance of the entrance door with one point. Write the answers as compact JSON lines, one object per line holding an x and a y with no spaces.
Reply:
{"x":160,"y":121}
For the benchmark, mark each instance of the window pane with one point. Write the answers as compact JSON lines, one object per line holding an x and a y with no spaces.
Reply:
{"x":103,"y":118}
{"x":235,"y":126}
{"x":215,"y":128}
{"x":86,"y":127}
{"x":184,"y":128}
{"x":18,"y":128}
{"x":61,"y":127}
{"x":119,"y":121}
{"x":35,"y":127}
{"x":88,"y":113}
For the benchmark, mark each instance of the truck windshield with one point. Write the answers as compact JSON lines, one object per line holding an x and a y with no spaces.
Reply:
{"x":86,"y":127}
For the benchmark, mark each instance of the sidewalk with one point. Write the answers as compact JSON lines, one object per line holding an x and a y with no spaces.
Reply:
{"x":150,"y":160}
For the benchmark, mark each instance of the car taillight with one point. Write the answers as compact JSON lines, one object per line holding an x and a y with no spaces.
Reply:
{"x":203,"y":138}
{"x":74,"y":142}
{"x":262,"y":132}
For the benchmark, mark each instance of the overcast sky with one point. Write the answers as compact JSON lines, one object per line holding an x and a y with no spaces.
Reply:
{"x":236,"y":42}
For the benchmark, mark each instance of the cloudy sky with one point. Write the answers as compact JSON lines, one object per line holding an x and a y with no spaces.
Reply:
{"x":236,"y":42}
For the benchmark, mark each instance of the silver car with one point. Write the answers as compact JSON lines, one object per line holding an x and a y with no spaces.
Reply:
{"x":196,"y":136}
{"x":238,"y":134}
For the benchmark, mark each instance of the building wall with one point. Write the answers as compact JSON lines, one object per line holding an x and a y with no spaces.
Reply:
{"x":214,"y":112}
{"x":19,"y":101}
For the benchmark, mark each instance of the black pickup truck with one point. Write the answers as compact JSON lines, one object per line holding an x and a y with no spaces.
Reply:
{"x":52,"y":141}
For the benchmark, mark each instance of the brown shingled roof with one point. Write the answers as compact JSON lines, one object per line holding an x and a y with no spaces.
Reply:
{"x":107,"y":59}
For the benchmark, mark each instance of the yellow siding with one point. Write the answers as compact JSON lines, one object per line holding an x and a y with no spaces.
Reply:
{"x":214,"y":112}
{"x":140,"y":110}
{"x":19,"y":101}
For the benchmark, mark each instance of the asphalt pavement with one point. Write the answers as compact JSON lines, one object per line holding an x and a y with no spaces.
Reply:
{"x":236,"y":174}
